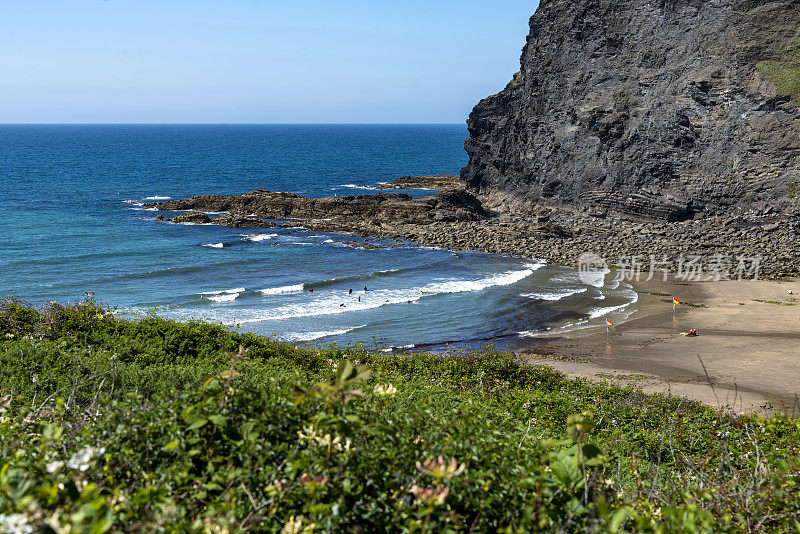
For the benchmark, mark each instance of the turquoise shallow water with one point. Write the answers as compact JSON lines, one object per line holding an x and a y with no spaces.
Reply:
{"x":73,"y":222}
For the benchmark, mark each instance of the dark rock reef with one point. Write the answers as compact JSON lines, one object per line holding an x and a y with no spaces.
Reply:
{"x":438,"y":182}
{"x":375,"y":210}
{"x":661,"y":109}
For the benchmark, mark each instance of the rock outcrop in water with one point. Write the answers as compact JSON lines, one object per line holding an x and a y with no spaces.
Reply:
{"x":438,"y":182}
{"x":377,"y":210}
{"x":661,"y":109}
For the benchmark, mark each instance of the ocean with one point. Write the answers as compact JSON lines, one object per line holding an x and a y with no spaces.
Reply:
{"x":73,"y":221}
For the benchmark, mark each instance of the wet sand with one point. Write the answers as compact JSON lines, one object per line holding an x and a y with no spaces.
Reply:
{"x":746,"y":356}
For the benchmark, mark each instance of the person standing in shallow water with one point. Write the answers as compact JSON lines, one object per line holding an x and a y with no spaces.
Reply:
{"x":351,"y":292}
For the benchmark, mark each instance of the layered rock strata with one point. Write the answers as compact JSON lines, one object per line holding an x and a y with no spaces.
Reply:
{"x":659,"y":109}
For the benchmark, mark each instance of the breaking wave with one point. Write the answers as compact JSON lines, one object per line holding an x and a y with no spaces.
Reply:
{"x":337,"y":302}
{"x":282,"y":290}
{"x":311,"y":336}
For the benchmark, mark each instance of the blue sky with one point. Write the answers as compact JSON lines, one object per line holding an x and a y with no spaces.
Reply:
{"x":251,"y":61}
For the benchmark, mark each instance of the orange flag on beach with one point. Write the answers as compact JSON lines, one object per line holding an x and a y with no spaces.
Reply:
{"x":675,"y":301}
{"x":608,"y":322}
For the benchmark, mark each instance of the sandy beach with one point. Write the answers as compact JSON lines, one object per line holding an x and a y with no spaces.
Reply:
{"x":746,"y":356}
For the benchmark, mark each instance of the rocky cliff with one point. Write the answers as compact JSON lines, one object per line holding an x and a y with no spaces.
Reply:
{"x":665,"y":109}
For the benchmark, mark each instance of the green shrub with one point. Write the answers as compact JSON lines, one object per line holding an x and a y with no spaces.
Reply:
{"x":109,"y":424}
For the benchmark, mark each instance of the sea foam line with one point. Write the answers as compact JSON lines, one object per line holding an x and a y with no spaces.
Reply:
{"x":224,"y":295}
{"x":354,"y":186}
{"x":600,"y":312}
{"x":224,"y":298}
{"x":554,"y":296}
{"x":333,"y":303}
{"x":282,"y":290}
{"x":311,"y":336}
{"x":255,"y":238}
{"x":223,"y":291}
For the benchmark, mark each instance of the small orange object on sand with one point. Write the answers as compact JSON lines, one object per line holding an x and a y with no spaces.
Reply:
{"x":690,"y":333}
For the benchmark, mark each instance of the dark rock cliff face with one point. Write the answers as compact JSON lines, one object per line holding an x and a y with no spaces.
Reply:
{"x":656,"y":108}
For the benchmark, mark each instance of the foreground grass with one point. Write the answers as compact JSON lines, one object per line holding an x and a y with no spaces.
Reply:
{"x":152,"y":425}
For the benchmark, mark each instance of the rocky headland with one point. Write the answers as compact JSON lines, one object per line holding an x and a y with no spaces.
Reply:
{"x":663,"y":110}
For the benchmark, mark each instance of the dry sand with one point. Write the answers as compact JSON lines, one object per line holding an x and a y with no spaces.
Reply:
{"x":750,"y":349}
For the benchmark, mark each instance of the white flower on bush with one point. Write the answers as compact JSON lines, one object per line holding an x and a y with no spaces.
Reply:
{"x":384,"y":390}
{"x":54,"y":466}
{"x":82,"y":458}
{"x":16,"y":524}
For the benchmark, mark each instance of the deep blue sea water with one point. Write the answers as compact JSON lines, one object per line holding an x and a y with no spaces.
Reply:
{"x":72,"y":222}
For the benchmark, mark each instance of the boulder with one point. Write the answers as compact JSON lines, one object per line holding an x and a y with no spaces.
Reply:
{"x":195,"y":217}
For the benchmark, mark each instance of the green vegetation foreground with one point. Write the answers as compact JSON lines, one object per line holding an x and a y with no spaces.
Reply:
{"x":152,"y":425}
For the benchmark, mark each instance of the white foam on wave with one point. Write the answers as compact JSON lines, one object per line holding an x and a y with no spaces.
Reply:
{"x":158,"y":198}
{"x":330,"y":303}
{"x":555,"y":295}
{"x":138,"y":206}
{"x":224,"y":297}
{"x":213,"y":245}
{"x":595,"y":313}
{"x":224,"y":291}
{"x":311,"y":336}
{"x":354,"y":186}
{"x":328,"y":241}
{"x":255,"y":238}
{"x":393,"y":348}
{"x":282,"y":290}
{"x":601,"y":312}
{"x":595,"y":278}
{"x":571,"y":327}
